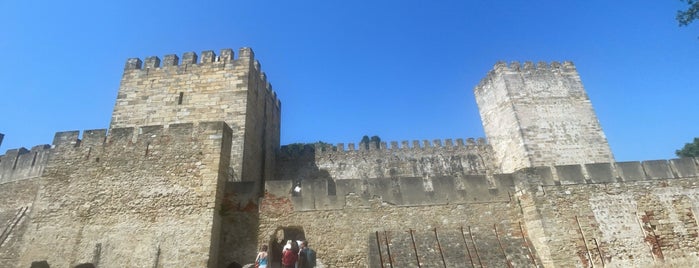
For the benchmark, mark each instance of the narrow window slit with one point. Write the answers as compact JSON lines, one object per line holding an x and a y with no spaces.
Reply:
{"x":147,"y":148}
{"x":14,"y":165}
{"x":34,"y":159}
{"x":179,"y":100}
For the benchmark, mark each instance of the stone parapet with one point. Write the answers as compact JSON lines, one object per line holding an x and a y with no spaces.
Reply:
{"x":614,"y":172}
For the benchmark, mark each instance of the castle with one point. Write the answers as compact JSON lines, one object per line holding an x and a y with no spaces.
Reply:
{"x":191,"y":173}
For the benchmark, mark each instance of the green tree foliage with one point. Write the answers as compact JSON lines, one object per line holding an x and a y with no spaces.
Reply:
{"x":366,"y":141}
{"x":685,"y":17}
{"x":689,"y":149}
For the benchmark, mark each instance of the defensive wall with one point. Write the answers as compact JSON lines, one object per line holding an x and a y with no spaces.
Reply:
{"x":190,"y":174}
{"x":623,"y":214}
{"x":122,"y":200}
{"x":422,"y":159}
{"x":202,"y":89}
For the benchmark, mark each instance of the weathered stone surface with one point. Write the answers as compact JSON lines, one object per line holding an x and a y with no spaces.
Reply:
{"x":190,"y":174}
{"x":539,"y":116}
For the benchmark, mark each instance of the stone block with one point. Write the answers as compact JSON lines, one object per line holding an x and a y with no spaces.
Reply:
{"x":570,"y":174}
{"x":279,"y":188}
{"x":631,"y":171}
{"x":476,"y":188}
{"x":444,"y":189}
{"x":657,"y":169}
{"x":412,"y":191}
{"x":600,"y":172}
{"x":684,"y":167}
{"x":387,"y":189}
{"x":66,"y":138}
{"x":94,"y":137}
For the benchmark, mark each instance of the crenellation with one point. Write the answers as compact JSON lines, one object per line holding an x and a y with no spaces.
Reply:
{"x":133,"y":64}
{"x":208,"y":56}
{"x":257,"y":65}
{"x":226,"y":55}
{"x":94,"y":137}
{"x":416,"y":144}
{"x":514,"y":66}
{"x":555,"y":65}
{"x":152,"y":62}
{"x":568,"y":66}
{"x":21,"y":164}
{"x":66,"y":139}
{"x":189,"y":58}
{"x":170,"y":60}
{"x":528,"y":66}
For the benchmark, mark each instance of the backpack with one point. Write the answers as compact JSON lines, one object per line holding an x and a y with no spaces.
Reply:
{"x":307,"y":258}
{"x":311,"y":257}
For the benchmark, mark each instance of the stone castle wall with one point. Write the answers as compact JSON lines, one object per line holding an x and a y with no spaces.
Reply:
{"x":348,"y":227}
{"x":538,"y":115}
{"x":149,"y":200}
{"x":439,"y":158}
{"x":213,"y":88}
{"x":626,"y":214}
{"x":19,"y":164}
{"x":167,"y":188}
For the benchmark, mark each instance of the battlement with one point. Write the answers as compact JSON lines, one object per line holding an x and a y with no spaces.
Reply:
{"x":191,"y":62}
{"x":404,"y":191}
{"x":138,"y":135}
{"x":19,"y":164}
{"x":613,"y":172}
{"x":424,"y":145}
{"x":189,"y":58}
{"x":566,"y":66}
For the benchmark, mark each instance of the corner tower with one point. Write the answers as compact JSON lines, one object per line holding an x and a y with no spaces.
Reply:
{"x":212,"y":88}
{"x":539,"y":115}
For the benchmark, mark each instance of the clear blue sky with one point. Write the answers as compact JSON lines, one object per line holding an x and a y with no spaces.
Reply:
{"x":402,"y":70}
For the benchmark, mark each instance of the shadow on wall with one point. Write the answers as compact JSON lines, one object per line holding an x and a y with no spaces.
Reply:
{"x":240,"y":220}
{"x":297,"y":162}
{"x":40,"y":264}
{"x":45,"y":264}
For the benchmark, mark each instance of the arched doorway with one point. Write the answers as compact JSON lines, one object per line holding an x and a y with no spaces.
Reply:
{"x":278,"y":240}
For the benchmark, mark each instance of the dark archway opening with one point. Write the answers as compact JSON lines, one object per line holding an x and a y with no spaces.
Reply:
{"x":40,"y":264}
{"x":278,"y":240}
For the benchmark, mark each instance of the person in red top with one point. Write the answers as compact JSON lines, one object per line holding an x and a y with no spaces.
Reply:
{"x":290,"y":256}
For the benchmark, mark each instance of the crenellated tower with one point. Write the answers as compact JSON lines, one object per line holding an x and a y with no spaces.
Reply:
{"x":207,"y":88}
{"x":539,"y":115}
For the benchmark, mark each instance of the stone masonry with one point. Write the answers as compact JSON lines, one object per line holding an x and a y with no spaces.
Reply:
{"x":539,"y":115}
{"x":191,"y":174}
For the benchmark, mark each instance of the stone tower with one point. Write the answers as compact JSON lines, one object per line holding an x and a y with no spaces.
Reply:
{"x":213,"y":88}
{"x":539,"y":115}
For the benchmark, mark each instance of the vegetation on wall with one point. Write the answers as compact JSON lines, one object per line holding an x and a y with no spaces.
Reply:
{"x":685,"y":17}
{"x":689,"y":149}
{"x":366,"y":141}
